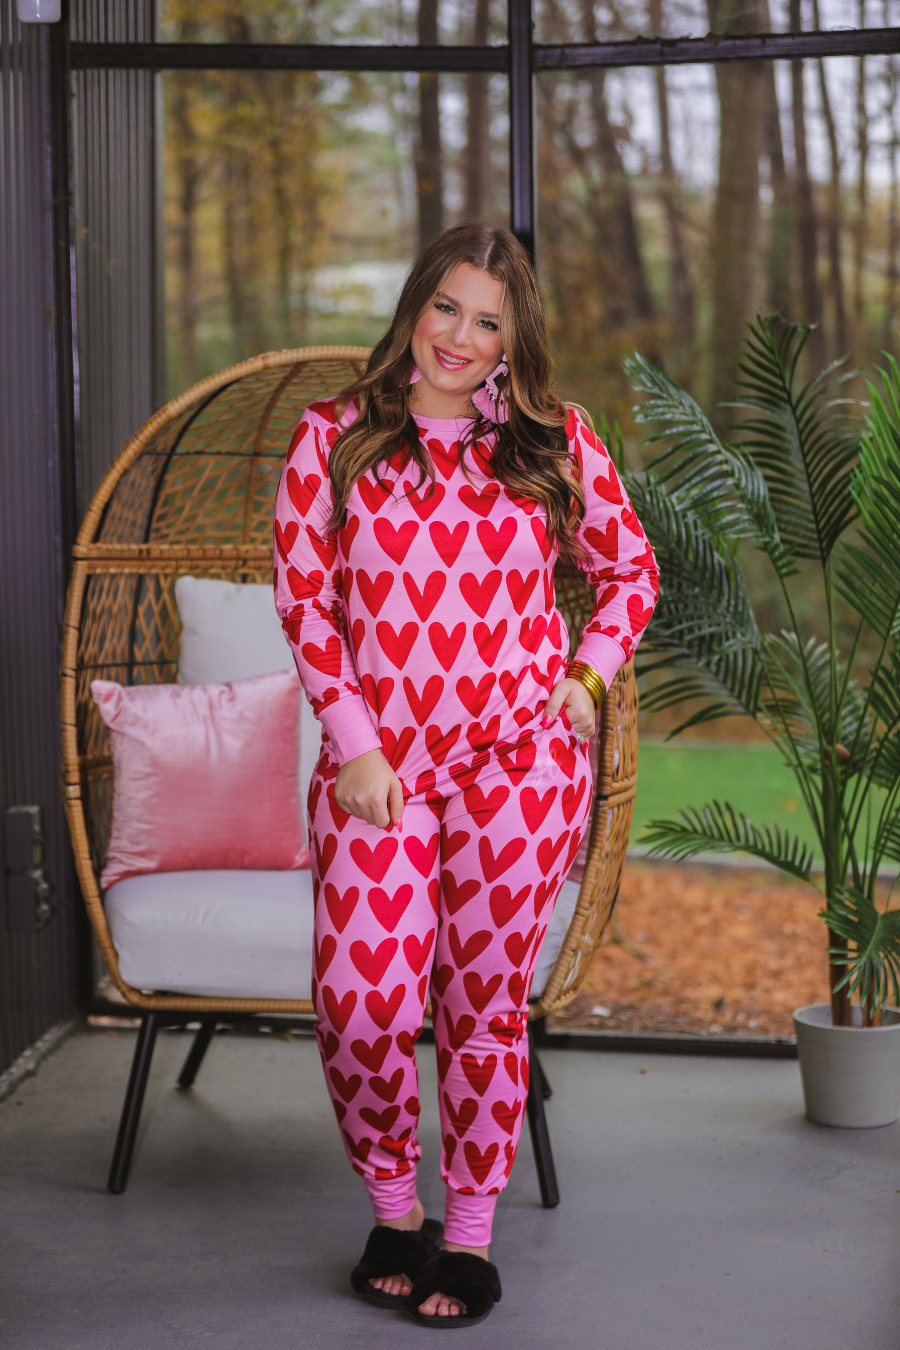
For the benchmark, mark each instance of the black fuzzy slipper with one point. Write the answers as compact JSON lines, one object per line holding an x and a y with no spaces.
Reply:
{"x":460,"y":1275}
{"x":392,"y":1252}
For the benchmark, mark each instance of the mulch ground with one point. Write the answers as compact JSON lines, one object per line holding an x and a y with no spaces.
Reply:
{"x":714,"y":950}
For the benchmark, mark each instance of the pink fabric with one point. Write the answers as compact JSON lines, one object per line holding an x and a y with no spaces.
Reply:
{"x":205,"y":776}
{"x":462,"y":893}
{"x":428,"y":625}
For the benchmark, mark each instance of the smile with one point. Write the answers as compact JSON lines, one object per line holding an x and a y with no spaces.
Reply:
{"x":448,"y":361}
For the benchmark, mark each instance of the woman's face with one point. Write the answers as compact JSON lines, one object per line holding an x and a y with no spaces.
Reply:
{"x":456,"y":343}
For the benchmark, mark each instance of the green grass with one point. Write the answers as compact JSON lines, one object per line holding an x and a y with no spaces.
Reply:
{"x":752,"y":778}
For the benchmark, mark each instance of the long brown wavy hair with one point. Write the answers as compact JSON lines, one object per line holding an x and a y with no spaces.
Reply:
{"x":530,"y":456}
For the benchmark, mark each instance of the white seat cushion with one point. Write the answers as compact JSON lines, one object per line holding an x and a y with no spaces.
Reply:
{"x":240,"y":934}
{"x":234,"y":934}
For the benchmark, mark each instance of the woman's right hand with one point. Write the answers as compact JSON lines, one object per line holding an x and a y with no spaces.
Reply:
{"x":368,"y":788}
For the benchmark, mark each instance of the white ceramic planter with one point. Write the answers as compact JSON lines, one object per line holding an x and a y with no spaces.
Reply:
{"x":851,"y":1075}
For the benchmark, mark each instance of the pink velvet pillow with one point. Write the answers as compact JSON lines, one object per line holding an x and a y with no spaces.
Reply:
{"x":205,"y":776}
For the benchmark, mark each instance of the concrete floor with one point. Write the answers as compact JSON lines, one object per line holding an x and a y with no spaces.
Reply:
{"x":700,"y":1211}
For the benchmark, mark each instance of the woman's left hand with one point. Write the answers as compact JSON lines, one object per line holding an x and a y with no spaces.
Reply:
{"x":578,"y":704}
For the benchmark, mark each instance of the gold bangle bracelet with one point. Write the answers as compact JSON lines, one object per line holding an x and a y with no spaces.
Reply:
{"x":587,"y":675}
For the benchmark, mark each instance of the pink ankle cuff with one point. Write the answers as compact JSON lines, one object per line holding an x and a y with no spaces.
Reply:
{"x":468,"y":1218}
{"x":393,"y":1198}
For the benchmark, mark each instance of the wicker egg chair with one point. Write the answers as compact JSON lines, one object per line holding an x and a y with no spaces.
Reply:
{"x":192,"y":493}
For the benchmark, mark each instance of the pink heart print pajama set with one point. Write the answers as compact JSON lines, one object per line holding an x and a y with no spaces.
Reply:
{"x":427,"y":628}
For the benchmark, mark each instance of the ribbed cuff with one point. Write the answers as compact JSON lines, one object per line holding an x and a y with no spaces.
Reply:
{"x":603,"y":653}
{"x":393,"y":1198}
{"x":468,"y":1218}
{"x":351,"y":730}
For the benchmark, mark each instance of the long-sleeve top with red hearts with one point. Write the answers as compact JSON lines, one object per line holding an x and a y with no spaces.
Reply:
{"x":427,"y":627}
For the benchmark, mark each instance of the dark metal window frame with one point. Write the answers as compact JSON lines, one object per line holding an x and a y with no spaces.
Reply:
{"x":519,"y":60}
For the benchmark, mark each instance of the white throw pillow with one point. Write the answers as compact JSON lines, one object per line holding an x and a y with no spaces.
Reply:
{"x":232,"y":632}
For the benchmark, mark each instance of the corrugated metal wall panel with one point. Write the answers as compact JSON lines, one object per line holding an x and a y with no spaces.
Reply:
{"x":37,"y":970}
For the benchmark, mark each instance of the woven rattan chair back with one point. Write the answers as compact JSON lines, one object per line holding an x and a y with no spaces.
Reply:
{"x":192,"y":494}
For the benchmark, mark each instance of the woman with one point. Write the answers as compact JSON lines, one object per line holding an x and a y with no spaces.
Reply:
{"x":418,"y":520}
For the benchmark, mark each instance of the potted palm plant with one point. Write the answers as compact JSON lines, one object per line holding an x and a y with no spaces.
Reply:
{"x":809,"y":486}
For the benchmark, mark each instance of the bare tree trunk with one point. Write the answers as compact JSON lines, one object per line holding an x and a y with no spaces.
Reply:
{"x":429,"y":157}
{"x":862,"y":206}
{"x":778,"y":296}
{"x":682,"y":297}
{"x":736,"y":219}
{"x":188,"y":174}
{"x":807,"y":225}
{"x":836,"y":276}
{"x":476,"y":168}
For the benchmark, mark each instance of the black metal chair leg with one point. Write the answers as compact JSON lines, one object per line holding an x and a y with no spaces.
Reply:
{"x":195,"y":1055}
{"x":540,"y":1134}
{"x":543,"y":1081}
{"x":134,"y":1100}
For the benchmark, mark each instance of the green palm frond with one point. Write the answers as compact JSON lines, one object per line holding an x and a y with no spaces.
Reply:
{"x":801,"y":438}
{"x":718,"y":828}
{"x":611,"y":436}
{"x":873,"y":953}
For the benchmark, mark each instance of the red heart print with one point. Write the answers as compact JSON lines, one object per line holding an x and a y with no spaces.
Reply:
{"x":374,"y":593}
{"x":495,"y":541}
{"x":357,"y":633}
{"x":286,"y":538}
{"x":441,"y":978}
{"x":548,"y":680}
{"x":325,"y":858}
{"x":382,"y":1012}
{"x":483,"y":808}
{"x":539,"y":530}
{"x":506,"y":1116}
{"x":371,"y":1056}
{"x":325,"y":954}
{"x":631,"y":522}
{"x":517,"y":944}
{"x":457,"y":895}
{"x":406,"y":1044}
{"x":544,"y":891}
{"x":548,"y":850}
{"x":340,"y":907}
{"x":396,"y":646}
{"x":444,"y":460}
{"x":479,"y":1075}
{"x":382,"y":1121}
{"x":424,"y":601}
{"x":326,"y":549}
{"x":422,"y":707}
{"x":534,"y":808}
{"x":478,"y":993}
{"x":475,"y":697}
{"x":372,"y":964}
{"x":511,"y":1065}
{"x":347,"y":535}
{"x":338,"y":1014}
{"x":374,"y":494}
{"x":638,"y":617}
{"x":549,"y":593}
{"x":608,"y":488}
{"x":573,"y":849}
{"x":504,"y":905}
{"x":396,"y":748}
{"x":462,"y":1117}
{"x":423,"y":986}
{"x":411,"y":1106}
{"x":447,"y":544}
{"x":387,"y":1089}
{"x":312,"y":799}
{"x":396,"y":543}
{"x":450,"y":1142}
{"x":526,"y":504}
{"x":494,"y":866}
{"x":473,"y":948}
{"x":564,"y":756}
{"x":478,"y":1163}
{"x":506,"y":1031}
{"x":481,"y":738}
{"x":444,"y":1060}
{"x":446,"y":645}
{"x":397,"y":1147}
{"x":458,"y":1035}
{"x":422,"y":856}
{"x":377,"y":695}
{"x":440,"y":743}
{"x":431,"y":498}
{"x":339,"y":817}
{"x":374,"y":862}
{"x":520,"y":588}
{"x":516,"y":986}
{"x":532,"y":632}
{"x":479,"y":595}
{"x":331,"y":1045}
{"x":302,"y":491}
{"x":425,"y":784}
{"x":571,"y":800}
{"x":328,"y":659}
{"x":524,"y":1070}
{"x":358,"y":1148}
{"x":417,"y":952}
{"x":389,"y":910}
{"x":452,"y":843}
{"x":510,"y":685}
{"x":347,"y":1087}
{"x":297,"y":437}
{"x":434,"y":894}
{"x":480,"y":502}
{"x":487,"y":642}
{"x":605,"y":542}
{"x":305,"y":587}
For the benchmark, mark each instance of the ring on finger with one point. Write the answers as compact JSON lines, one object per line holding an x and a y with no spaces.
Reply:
{"x":582,"y":737}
